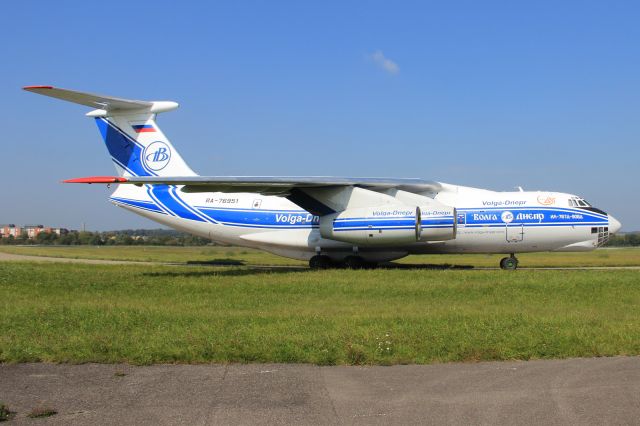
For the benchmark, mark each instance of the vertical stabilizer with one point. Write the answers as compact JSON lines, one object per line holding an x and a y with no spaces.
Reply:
{"x":139,"y":148}
{"x":128,"y":127}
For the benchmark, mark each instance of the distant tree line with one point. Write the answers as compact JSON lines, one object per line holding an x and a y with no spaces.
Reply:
{"x":127,"y":237}
{"x":624,"y":240}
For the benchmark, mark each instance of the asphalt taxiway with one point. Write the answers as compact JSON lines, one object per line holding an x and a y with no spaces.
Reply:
{"x":552,"y":392}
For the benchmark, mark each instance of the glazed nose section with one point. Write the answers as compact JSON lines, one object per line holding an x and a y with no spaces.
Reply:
{"x":614,"y":225}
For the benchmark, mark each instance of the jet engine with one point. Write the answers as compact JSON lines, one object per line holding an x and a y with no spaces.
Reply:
{"x":438,"y":222}
{"x":390,"y":225}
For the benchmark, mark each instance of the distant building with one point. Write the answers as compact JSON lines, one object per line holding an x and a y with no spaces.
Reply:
{"x":31,"y":231}
{"x":10,"y":230}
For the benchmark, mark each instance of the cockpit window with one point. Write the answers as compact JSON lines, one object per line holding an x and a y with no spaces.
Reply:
{"x":578,"y":202}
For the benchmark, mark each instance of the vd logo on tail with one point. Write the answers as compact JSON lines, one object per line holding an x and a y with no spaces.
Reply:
{"x":156,"y":155}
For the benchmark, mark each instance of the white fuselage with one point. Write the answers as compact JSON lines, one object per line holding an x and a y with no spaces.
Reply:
{"x":486,"y":222}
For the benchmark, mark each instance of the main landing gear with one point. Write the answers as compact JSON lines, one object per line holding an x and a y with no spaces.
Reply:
{"x":355,"y":262}
{"x":320,"y":261}
{"x":509,"y":263}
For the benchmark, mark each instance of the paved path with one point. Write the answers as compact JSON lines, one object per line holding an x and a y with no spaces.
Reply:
{"x":576,"y":391}
{"x":10,"y":257}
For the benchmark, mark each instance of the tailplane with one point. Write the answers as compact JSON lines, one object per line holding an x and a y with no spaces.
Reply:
{"x":128,"y":127}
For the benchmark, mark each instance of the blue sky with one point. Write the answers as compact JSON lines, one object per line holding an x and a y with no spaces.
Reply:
{"x":543,"y":94}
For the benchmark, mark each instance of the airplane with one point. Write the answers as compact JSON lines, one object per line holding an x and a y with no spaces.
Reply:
{"x":327,"y":221}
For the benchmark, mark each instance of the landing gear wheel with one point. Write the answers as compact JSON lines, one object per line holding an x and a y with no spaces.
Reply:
{"x":320,"y":262}
{"x":509,"y":263}
{"x":354,"y":262}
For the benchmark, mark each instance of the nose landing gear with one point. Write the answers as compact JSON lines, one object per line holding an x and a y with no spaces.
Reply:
{"x":509,"y":263}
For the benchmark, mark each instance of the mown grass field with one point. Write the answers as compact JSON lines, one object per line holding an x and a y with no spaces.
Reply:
{"x":152,"y":313}
{"x":167,"y":254}
{"x":217,"y":254}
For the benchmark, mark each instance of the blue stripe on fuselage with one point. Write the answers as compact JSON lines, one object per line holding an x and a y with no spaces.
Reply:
{"x":162,"y":195}
{"x":147,"y":205}
{"x":261,"y":218}
{"x":537,"y":216}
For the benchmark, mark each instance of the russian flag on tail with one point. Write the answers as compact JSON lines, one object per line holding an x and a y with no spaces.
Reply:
{"x":143,"y":128}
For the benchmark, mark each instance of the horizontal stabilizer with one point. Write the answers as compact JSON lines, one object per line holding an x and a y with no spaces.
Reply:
{"x":109,"y":104}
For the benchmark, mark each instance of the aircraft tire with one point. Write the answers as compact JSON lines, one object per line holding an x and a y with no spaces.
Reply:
{"x":371,"y":265}
{"x":354,"y":262}
{"x":320,"y":262}
{"x":509,"y":263}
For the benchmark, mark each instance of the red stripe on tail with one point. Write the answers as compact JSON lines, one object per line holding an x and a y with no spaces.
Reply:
{"x":96,"y":179}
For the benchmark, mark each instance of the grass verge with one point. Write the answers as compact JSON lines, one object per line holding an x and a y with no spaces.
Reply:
{"x":247,"y":256}
{"x":145,"y":314}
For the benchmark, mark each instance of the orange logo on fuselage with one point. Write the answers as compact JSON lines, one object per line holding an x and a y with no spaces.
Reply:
{"x":546,"y":200}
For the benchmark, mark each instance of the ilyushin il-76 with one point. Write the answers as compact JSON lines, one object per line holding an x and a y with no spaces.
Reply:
{"x":328,"y":221}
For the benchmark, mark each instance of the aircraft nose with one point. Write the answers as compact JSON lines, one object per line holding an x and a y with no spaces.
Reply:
{"x":614,"y":225}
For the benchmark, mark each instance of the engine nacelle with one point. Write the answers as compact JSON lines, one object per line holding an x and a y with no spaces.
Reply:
{"x":390,"y":225}
{"x":438,"y":222}
{"x":373,"y":226}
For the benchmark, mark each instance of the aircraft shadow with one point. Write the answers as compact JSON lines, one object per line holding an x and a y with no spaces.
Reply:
{"x":217,"y":262}
{"x":435,"y":266}
{"x":275,"y":269}
{"x":235,"y":272}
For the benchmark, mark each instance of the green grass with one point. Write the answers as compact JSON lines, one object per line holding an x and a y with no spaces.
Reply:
{"x":156,"y":254}
{"x":216,"y":254}
{"x":146,"y":314}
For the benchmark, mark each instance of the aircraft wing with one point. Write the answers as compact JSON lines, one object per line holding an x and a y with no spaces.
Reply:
{"x":316,"y":194}
{"x":268,"y":185}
